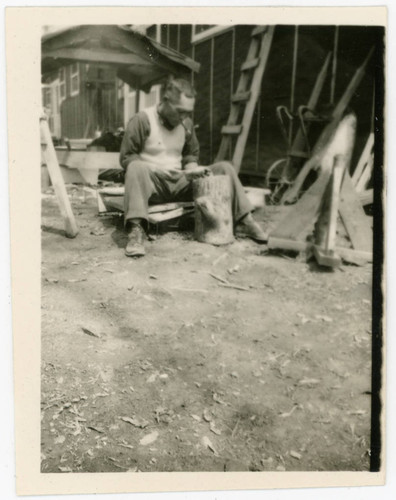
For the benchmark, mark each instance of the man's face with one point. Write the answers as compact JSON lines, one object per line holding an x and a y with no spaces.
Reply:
{"x":174,"y":112}
{"x":185,"y":106}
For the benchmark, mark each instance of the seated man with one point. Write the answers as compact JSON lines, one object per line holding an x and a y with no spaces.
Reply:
{"x":159,"y":154}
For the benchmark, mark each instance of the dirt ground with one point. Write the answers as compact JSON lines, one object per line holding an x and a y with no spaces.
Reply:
{"x":153,"y":365}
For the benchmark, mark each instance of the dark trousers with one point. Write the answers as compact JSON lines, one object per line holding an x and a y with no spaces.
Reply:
{"x":144,"y":186}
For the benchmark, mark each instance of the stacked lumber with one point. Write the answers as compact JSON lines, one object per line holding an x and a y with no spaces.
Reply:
{"x":363,"y":172}
{"x":330,"y":201}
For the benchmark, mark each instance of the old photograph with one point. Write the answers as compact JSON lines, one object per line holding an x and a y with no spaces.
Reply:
{"x":212,"y":247}
{"x":214,"y":311}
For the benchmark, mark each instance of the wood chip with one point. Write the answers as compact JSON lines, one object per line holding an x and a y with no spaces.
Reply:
{"x":208,"y":444}
{"x":207,"y":415}
{"x":309,"y":381}
{"x":285,"y":415}
{"x":135,"y":422}
{"x":219,"y":278}
{"x":96,"y":429}
{"x":214,"y":429}
{"x":149,"y":438}
{"x":90,"y":332}
{"x":237,"y":287}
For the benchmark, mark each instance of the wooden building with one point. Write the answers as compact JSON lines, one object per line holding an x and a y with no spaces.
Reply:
{"x":296,"y":57}
{"x":92,"y":98}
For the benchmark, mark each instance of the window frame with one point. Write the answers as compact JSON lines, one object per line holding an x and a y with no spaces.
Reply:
{"x":74,"y":77}
{"x":62,"y":84}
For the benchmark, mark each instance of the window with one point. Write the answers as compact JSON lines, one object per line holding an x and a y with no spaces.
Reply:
{"x":203,"y":31}
{"x":74,"y":79}
{"x":62,"y":84}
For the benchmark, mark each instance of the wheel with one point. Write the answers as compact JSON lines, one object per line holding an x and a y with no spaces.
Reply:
{"x":276,"y":181}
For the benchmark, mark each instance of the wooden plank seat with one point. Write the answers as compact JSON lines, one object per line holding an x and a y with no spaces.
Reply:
{"x":111,"y":199}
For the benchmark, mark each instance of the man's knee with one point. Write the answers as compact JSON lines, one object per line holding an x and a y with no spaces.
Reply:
{"x":137,"y":169}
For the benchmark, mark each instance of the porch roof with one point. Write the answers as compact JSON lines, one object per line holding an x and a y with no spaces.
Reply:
{"x":140,"y":61}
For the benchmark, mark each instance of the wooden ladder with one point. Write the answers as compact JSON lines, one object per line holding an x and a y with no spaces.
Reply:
{"x":247,"y":94}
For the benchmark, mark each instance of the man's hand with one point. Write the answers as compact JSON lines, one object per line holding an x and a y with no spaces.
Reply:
{"x":196,"y":172}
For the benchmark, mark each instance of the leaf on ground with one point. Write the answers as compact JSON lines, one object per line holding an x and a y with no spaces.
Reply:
{"x":207,"y":416}
{"x":208,"y":444}
{"x":96,"y":429}
{"x":196,"y":417}
{"x":214,"y":429}
{"x":289,"y":413}
{"x":149,"y":438}
{"x":309,"y":381}
{"x":295,"y":454}
{"x":135,"y":422}
{"x":126,"y":445}
{"x":217,"y":399}
{"x":152,"y":378}
{"x":326,"y":319}
{"x":90,"y":332}
{"x":59,"y":440}
{"x":65,"y":469}
{"x":357,"y":412}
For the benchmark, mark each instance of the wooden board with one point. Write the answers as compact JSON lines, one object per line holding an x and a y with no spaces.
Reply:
{"x":356,"y":222}
{"x":350,"y":255}
{"x":98,"y":160}
{"x":363,"y":159}
{"x":305,"y":213}
{"x":49,"y":156}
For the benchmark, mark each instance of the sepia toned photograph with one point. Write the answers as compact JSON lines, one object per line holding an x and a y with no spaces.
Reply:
{"x":211,"y":247}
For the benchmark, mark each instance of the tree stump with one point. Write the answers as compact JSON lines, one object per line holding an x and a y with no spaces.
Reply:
{"x":213,"y":213}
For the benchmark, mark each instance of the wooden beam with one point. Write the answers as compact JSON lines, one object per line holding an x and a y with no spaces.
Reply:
{"x":231,"y":129}
{"x":366,"y":174}
{"x":363,"y":159}
{"x":98,"y":160}
{"x":48,"y":150}
{"x":252,"y":63}
{"x":305,"y":213}
{"x":347,"y":254}
{"x":366,"y":197}
{"x":102,"y":55}
{"x":241,"y":96}
{"x":255,"y":87}
{"x":356,"y":222}
{"x":258,"y":30}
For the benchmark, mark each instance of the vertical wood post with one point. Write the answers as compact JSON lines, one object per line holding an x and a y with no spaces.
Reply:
{"x":49,"y":153}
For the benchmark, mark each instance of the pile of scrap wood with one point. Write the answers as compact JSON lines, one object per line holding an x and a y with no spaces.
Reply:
{"x":362,"y":174}
{"x":331,"y":200}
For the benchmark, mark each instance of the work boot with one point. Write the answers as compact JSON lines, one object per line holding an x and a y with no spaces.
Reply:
{"x":135,"y":245}
{"x":249,"y":227}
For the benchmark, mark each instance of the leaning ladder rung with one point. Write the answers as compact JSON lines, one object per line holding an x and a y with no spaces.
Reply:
{"x":259,"y":30}
{"x":241,"y":96}
{"x":250,"y":64}
{"x":231,"y":129}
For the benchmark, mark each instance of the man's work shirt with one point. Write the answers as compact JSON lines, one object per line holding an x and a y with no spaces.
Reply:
{"x":147,"y":139}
